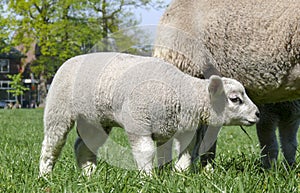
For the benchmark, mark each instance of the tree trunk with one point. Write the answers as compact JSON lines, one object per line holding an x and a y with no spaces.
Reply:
{"x":17,"y":104}
{"x":105,"y":29}
{"x":42,"y":89}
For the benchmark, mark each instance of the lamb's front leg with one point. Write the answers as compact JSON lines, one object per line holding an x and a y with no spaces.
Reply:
{"x":143,"y":150}
{"x":208,"y":157}
{"x":208,"y":144}
{"x":209,"y":139}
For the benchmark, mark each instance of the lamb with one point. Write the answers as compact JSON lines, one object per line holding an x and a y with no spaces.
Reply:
{"x":254,"y":42}
{"x":151,"y":99}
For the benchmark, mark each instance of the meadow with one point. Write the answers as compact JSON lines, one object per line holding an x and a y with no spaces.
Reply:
{"x":237,"y":165}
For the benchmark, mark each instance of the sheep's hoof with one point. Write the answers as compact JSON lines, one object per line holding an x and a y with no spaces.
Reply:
{"x":208,"y":168}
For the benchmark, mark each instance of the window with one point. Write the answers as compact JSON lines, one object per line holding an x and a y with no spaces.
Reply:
{"x":4,"y":85}
{"x":4,"y":65}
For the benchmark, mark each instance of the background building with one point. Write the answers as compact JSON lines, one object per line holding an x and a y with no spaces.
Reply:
{"x":10,"y":63}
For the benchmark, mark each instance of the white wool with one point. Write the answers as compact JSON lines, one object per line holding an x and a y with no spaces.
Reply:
{"x":149,"y":98}
{"x":254,"y":42}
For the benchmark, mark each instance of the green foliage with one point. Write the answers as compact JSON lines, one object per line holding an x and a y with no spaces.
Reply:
{"x":58,"y":30}
{"x":4,"y":33}
{"x":236,"y":166}
{"x":16,"y":84}
{"x":62,"y":29}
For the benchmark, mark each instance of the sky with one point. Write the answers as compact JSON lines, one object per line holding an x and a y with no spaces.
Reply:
{"x":150,"y":17}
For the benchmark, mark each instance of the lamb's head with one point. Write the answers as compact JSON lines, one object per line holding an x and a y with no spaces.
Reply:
{"x":230,"y":103}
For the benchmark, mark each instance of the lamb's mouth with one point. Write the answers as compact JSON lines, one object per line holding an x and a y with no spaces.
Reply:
{"x":249,"y":122}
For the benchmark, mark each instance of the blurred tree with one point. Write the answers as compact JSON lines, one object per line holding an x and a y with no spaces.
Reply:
{"x":17,"y":87}
{"x":4,"y":33}
{"x":61,"y":29}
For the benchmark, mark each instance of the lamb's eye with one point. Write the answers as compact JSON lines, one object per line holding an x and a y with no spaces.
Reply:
{"x":236,"y":100}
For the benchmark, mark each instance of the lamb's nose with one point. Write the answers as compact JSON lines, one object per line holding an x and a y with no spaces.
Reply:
{"x":257,"y":114}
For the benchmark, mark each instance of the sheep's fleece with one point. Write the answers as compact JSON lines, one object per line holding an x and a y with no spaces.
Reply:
{"x":255,"y":42}
{"x":149,"y":98}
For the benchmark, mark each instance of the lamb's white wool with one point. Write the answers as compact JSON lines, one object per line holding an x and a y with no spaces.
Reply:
{"x":149,"y":98}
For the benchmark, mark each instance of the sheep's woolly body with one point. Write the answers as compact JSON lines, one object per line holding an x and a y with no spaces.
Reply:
{"x":260,"y":48}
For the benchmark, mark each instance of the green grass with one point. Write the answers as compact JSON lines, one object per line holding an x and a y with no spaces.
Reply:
{"x":237,"y":165}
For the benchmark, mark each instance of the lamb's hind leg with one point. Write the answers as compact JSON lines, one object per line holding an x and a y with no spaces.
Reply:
{"x":288,"y":138}
{"x":56,"y":128}
{"x":86,"y":146}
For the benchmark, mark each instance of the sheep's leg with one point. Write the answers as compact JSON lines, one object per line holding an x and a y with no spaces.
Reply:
{"x":208,"y":146}
{"x":164,"y":152}
{"x":57,"y":127}
{"x":207,"y":157}
{"x":184,"y":149}
{"x":288,"y":138}
{"x":90,"y":138}
{"x":85,"y":158}
{"x":268,"y":142}
{"x":143,"y":150}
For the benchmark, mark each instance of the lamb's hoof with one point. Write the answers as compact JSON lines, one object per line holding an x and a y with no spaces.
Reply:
{"x":45,"y":169}
{"x":88,"y":169}
{"x":44,"y":175}
{"x":183,"y":163}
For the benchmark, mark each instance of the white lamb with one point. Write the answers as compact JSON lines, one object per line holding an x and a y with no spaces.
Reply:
{"x":149,"y":98}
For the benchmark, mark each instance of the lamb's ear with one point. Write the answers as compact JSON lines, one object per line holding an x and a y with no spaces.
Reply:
{"x":217,"y":93}
{"x":215,"y":86}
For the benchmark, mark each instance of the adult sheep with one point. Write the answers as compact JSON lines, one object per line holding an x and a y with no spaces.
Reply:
{"x":285,"y":116}
{"x":149,"y":98}
{"x":255,"y":42}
